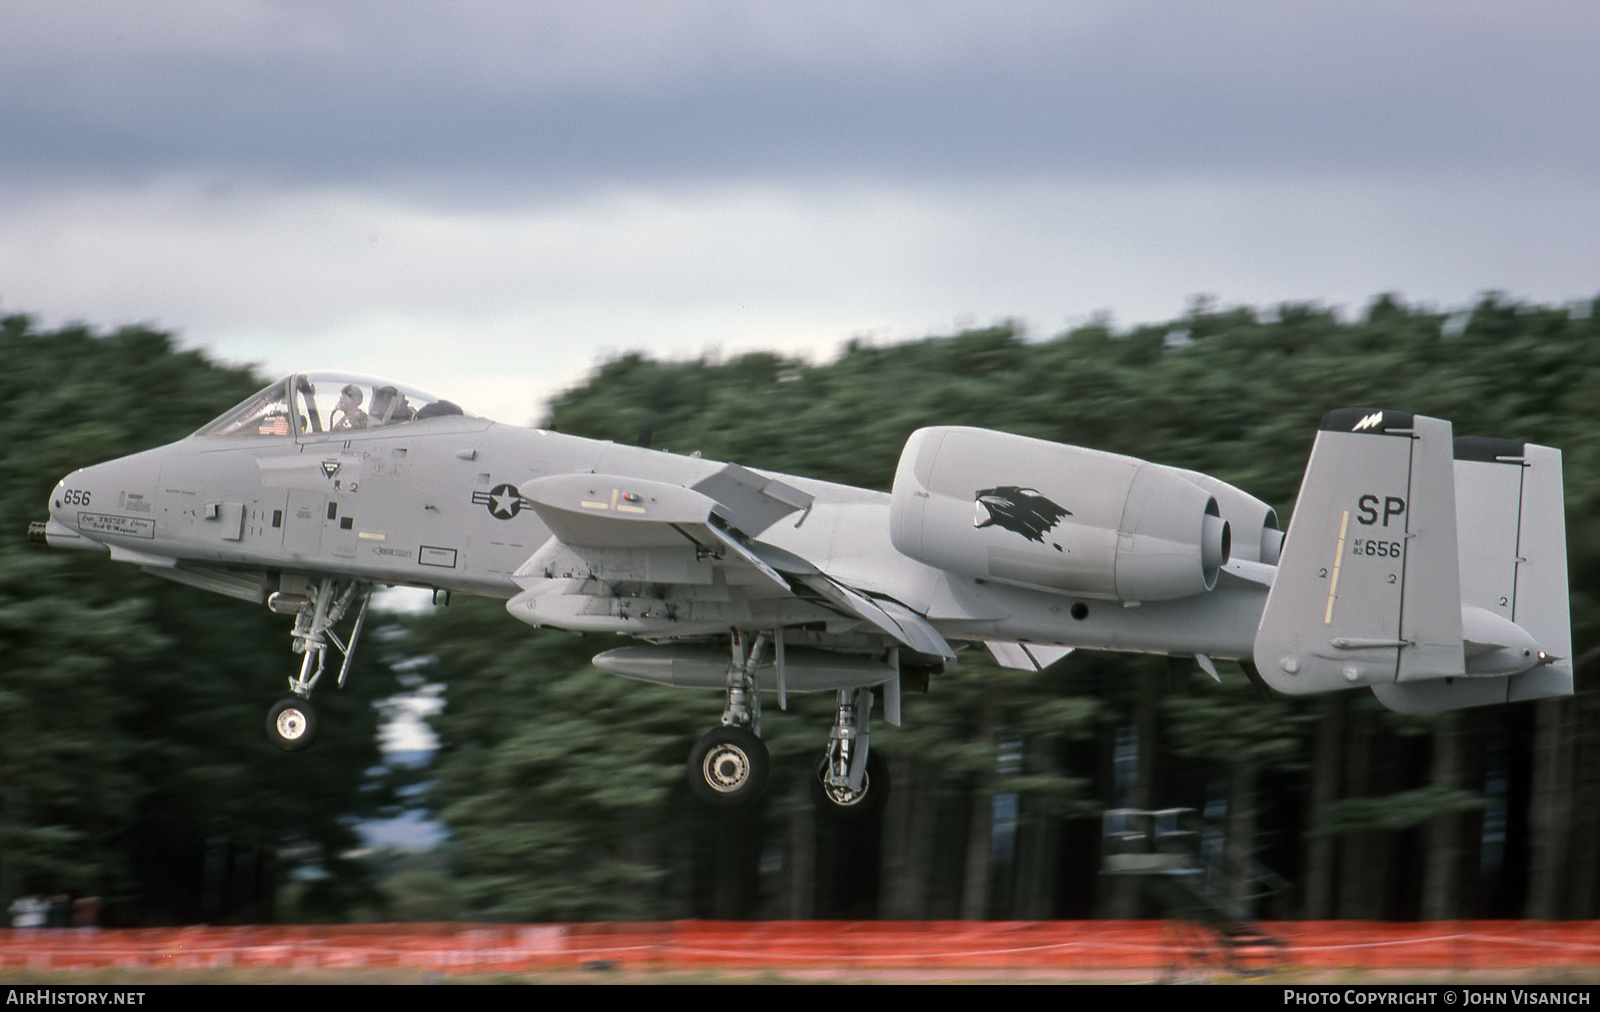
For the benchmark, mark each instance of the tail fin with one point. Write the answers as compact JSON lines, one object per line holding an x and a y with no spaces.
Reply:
{"x":1513,"y":555}
{"x":1432,"y":569}
{"x":1540,"y":602}
{"x":1368,"y":589}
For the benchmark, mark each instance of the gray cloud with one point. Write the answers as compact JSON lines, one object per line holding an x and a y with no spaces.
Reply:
{"x":487,"y":197}
{"x":558,"y":95}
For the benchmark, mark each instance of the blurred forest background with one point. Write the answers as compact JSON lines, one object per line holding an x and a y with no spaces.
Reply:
{"x":133,"y":766}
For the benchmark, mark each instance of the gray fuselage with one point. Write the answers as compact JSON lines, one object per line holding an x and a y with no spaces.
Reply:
{"x":434,"y":504}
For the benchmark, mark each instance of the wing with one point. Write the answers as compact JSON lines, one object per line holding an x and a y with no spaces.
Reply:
{"x":662,"y":561}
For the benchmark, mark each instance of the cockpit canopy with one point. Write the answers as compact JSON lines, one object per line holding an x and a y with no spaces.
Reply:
{"x":318,"y":403}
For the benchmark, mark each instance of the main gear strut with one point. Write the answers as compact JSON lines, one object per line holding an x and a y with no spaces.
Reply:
{"x":851,"y":780}
{"x":729,"y":766}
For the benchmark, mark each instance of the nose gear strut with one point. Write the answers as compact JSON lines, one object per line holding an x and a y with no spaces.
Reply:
{"x":292,"y":723}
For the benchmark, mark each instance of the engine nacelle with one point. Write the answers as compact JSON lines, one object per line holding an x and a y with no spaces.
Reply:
{"x":993,"y":506}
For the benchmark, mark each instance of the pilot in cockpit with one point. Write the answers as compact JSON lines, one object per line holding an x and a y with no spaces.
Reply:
{"x":348,"y":414}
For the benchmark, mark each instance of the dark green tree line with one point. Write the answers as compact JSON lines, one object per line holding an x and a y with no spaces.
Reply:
{"x":1367,"y":813}
{"x":131,"y":762}
{"x":124,"y":772}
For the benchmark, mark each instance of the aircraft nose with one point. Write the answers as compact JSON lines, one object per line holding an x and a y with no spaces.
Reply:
{"x":62,"y":530}
{"x":71,"y":494}
{"x":112,"y":498}
{"x":57,"y":505}
{"x":125,"y":486}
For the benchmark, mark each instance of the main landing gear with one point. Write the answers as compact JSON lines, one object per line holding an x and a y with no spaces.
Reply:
{"x":851,"y":781}
{"x":292,"y":723}
{"x":729,"y":766}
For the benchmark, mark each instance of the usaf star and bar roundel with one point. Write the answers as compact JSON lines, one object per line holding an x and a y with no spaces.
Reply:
{"x":503,"y":501}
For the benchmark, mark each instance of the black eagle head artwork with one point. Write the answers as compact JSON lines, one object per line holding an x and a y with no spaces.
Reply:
{"x":1023,"y":510}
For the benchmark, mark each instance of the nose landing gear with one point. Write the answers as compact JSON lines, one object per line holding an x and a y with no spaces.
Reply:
{"x":292,"y":723}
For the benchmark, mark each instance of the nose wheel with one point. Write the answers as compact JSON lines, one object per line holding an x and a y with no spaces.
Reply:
{"x":292,"y":724}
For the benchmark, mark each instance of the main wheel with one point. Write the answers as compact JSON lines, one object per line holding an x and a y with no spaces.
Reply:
{"x":844,"y":804}
{"x":292,"y":724}
{"x":728,"y":767}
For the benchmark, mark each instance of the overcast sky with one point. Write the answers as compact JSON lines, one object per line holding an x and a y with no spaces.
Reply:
{"x":487,"y":199}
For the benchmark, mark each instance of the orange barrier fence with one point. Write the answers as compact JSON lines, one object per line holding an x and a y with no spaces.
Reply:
{"x":1059,"y":945}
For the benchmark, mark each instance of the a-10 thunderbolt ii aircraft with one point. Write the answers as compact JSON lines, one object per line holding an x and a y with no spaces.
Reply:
{"x":1431,"y":569}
